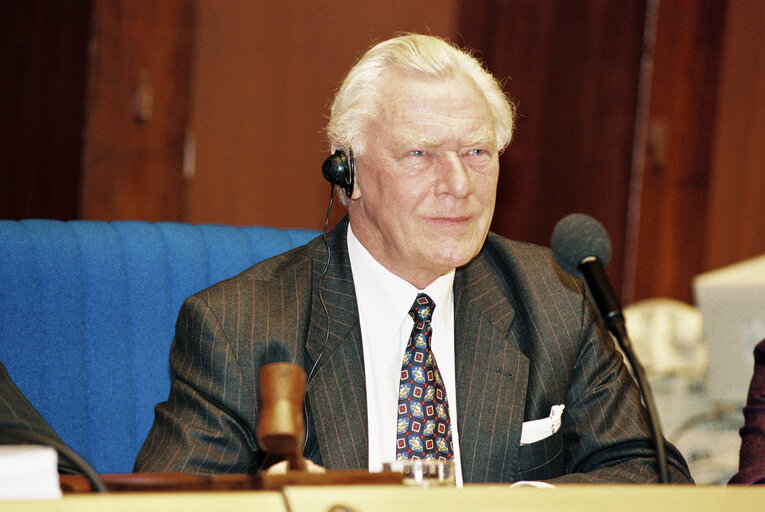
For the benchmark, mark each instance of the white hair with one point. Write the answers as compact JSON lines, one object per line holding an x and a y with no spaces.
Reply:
{"x":355,"y":102}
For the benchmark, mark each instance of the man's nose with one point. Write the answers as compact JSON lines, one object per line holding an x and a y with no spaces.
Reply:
{"x":454,"y":177}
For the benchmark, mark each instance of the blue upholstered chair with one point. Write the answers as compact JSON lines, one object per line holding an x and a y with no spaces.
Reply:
{"x":87,"y":312}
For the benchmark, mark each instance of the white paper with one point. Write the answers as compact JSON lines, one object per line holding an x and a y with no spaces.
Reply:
{"x":29,"y":472}
{"x":536,"y":430}
{"x":533,"y":483}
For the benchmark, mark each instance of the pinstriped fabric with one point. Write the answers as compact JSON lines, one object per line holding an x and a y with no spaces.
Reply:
{"x":490,"y":376}
{"x":563,"y":357}
{"x":535,"y":334}
{"x":15,"y":410}
{"x":226,"y":333}
{"x":337,"y":390}
{"x":208,"y":423}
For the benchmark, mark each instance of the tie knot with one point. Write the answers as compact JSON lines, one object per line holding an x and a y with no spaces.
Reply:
{"x":422,"y":309}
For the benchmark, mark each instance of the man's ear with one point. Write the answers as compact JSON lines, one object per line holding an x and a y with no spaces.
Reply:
{"x":356,"y":194}
{"x":357,"y":191}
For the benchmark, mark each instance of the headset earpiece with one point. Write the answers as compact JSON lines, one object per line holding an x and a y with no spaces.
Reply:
{"x":338,"y":170}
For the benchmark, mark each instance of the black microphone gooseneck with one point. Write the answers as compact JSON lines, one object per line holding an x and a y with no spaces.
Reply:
{"x":582,"y":248}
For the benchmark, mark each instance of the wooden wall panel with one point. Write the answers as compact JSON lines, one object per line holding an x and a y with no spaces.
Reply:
{"x":681,"y":126}
{"x":136,"y":114}
{"x":735,"y":218}
{"x":264,"y":75}
{"x":43,"y":57}
{"x":573,"y":69}
{"x":71,"y":144}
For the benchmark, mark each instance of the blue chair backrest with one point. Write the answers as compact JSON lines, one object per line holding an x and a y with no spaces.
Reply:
{"x":87,"y":314}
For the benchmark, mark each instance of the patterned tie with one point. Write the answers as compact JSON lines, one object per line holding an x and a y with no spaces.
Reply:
{"x":424,"y":430}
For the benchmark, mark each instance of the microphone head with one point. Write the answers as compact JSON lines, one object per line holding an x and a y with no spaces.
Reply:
{"x":579,"y":236}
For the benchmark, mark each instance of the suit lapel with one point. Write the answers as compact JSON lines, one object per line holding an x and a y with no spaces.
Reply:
{"x":492,"y":375}
{"x":491,"y":371}
{"x":336,"y":387}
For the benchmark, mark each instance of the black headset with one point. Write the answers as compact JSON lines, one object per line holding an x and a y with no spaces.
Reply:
{"x":338,"y":170}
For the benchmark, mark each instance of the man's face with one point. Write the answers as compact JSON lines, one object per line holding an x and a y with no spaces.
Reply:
{"x":427,"y":180}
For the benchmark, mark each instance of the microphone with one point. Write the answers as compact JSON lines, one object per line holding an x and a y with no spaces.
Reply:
{"x":582,"y":248}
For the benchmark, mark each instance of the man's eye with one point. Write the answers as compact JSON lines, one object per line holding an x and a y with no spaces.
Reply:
{"x":477,"y":152}
{"x":417,"y":152}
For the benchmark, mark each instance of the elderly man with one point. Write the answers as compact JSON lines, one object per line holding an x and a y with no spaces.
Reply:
{"x":425,"y":336}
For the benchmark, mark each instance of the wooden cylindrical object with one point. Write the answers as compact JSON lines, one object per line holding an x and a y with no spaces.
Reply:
{"x":280,"y":427}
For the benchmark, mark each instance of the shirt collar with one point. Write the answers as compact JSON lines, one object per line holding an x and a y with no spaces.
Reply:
{"x":390,"y":297}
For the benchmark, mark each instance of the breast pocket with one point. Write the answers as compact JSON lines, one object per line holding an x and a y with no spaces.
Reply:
{"x":541,"y":460}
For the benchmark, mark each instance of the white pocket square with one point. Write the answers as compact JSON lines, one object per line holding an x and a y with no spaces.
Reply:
{"x":536,"y":430}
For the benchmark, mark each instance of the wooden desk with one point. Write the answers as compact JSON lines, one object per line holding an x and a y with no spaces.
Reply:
{"x":372,"y":498}
{"x":568,"y":498}
{"x":207,"y":501}
{"x":161,"y":482}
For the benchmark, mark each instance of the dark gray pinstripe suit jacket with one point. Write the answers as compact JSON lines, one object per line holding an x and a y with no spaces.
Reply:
{"x":18,"y":415}
{"x":525,"y":340}
{"x":15,"y":410}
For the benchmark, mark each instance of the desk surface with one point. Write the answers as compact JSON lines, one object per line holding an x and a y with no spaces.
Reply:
{"x":362,"y":498}
{"x":583,"y":497}
{"x":207,"y":501}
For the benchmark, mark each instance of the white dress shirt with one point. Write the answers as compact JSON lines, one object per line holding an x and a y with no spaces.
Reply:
{"x":384,"y":301}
